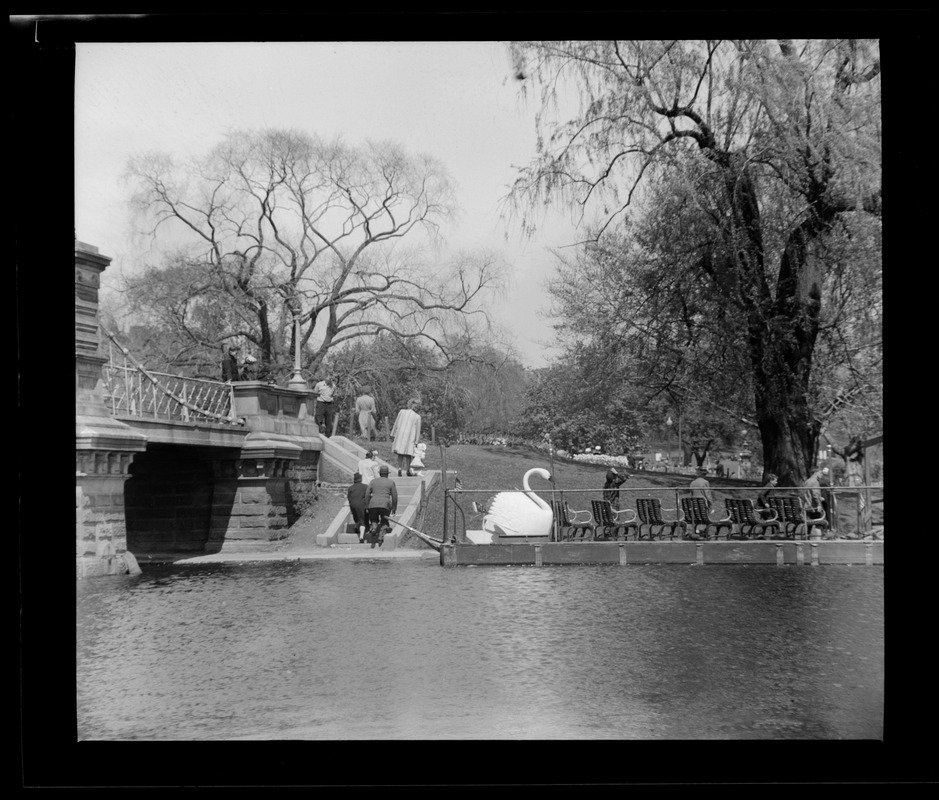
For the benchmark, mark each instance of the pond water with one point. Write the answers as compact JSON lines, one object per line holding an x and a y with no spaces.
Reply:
{"x":359,"y":650}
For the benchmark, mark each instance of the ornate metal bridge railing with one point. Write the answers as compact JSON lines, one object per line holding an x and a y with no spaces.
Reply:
{"x":132,"y":390}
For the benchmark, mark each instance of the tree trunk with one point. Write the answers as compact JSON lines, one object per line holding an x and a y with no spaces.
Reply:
{"x":782,"y":342}
{"x":786,"y":432}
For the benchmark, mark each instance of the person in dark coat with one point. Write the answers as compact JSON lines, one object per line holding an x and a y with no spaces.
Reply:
{"x":357,"y":495}
{"x":381,"y":500}
{"x":611,"y":488}
{"x":231,"y":371}
{"x":762,"y":499}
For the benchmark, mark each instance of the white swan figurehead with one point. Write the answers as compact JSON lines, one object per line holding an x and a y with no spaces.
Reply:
{"x":520,"y":513}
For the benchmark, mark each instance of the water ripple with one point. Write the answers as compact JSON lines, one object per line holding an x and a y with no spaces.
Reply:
{"x":408,"y":650}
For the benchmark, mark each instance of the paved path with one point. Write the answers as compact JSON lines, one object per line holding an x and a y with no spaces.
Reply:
{"x":353,"y":551}
{"x":301,"y":546}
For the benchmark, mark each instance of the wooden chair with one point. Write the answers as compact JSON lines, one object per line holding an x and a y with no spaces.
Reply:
{"x":748,"y":522}
{"x":573,"y":525}
{"x":609,"y":522}
{"x":796,"y":519}
{"x":698,"y":515}
{"x":650,"y":517}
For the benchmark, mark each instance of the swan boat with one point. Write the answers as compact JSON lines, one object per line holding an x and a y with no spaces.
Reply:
{"x":516,"y":517}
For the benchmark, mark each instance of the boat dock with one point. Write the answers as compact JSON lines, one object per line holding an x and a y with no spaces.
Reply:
{"x":867,"y":552}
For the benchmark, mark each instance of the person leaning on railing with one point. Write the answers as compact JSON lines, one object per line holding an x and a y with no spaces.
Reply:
{"x":250,"y":370}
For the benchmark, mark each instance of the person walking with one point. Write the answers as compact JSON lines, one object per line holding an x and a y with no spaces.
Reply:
{"x":417,"y":463}
{"x":325,"y":392}
{"x":701,"y":488}
{"x":365,"y":408}
{"x":381,"y":500}
{"x":812,"y":491}
{"x":356,"y":495}
{"x":406,"y":433}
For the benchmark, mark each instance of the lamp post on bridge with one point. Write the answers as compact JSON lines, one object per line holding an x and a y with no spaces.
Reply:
{"x":297,"y":380}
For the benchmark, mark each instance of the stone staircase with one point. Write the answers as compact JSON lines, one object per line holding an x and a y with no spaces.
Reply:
{"x":344,"y":454}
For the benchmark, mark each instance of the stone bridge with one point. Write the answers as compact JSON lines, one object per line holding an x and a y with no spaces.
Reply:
{"x":169,"y":467}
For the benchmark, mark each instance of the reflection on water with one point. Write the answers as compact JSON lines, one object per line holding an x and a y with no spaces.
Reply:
{"x":410,"y":650}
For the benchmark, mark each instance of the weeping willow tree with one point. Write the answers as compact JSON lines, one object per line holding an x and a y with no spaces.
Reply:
{"x":725,"y":182}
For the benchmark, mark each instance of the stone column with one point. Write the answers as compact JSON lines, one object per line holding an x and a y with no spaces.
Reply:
{"x":101,"y":528}
{"x":104,"y":447}
{"x":250,"y":502}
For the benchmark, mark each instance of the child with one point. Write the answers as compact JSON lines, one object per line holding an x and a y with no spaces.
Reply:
{"x":418,"y":461}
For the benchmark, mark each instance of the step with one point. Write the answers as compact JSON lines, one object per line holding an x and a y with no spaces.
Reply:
{"x":389,"y":544}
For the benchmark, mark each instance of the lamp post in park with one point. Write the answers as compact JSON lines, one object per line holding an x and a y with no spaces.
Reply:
{"x":668,"y":423}
{"x":745,"y":453}
{"x":681,"y":450}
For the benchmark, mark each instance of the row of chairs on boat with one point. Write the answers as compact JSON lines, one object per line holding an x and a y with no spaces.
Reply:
{"x":786,"y":518}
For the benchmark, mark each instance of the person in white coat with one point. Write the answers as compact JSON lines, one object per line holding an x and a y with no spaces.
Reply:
{"x":406,"y":433}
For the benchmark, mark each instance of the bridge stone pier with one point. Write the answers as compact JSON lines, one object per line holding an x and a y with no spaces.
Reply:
{"x":104,"y":447}
{"x":159,"y":488}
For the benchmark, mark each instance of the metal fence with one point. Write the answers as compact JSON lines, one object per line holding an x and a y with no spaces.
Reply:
{"x":132,"y":390}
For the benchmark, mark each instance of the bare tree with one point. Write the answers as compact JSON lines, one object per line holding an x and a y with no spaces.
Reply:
{"x":275,"y":228}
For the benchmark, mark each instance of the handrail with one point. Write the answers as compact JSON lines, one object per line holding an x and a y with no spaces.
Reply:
{"x":204,"y":399}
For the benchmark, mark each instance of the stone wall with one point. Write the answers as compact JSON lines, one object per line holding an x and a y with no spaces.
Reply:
{"x":330,"y":472}
{"x":302,"y":477}
{"x":101,"y":532}
{"x":249,"y":505}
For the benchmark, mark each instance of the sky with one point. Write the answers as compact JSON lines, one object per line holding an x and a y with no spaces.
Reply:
{"x":456,"y":101}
